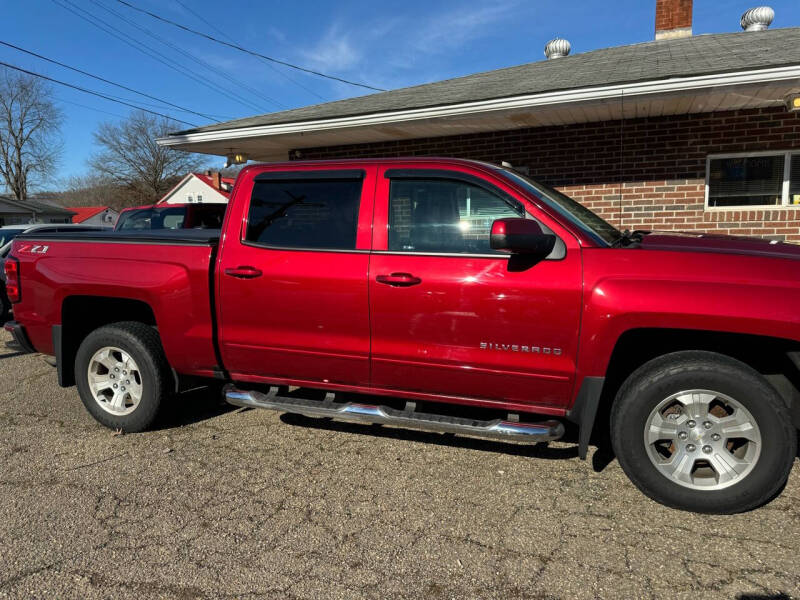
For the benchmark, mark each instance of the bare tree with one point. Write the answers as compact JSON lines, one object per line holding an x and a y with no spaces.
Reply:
{"x":130,"y":156}
{"x":89,"y":190}
{"x":30,"y":126}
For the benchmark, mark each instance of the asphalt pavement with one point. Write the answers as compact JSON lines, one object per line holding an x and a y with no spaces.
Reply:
{"x":231,"y":503}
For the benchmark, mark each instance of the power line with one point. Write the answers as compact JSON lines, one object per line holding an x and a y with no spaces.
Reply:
{"x":119,"y":85}
{"x":155,"y":55}
{"x":267,"y":63}
{"x":93,"y":109}
{"x":205,"y":64}
{"x":94,"y":93}
{"x":151,"y":52}
{"x":251,"y":52}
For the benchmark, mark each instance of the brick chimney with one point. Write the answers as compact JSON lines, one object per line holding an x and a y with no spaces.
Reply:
{"x":216,"y":179}
{"x":673,"y":19}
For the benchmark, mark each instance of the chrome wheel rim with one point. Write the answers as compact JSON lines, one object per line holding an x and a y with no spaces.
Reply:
{"x":115,"y":381}
{"x":703,"y":440}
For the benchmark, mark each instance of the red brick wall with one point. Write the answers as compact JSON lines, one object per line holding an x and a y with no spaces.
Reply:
{"x":644,"y":173}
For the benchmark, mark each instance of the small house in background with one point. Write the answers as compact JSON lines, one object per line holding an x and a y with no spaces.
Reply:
{"x":94,"y":215}
{"x":201,"y":188}
{"x":22,"y":212}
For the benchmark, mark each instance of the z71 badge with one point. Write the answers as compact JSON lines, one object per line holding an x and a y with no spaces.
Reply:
{"x":521,"y":348}
{"x":33,"y":249}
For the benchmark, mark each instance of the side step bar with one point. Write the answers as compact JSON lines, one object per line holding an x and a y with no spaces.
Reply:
{"x":496,"y":429}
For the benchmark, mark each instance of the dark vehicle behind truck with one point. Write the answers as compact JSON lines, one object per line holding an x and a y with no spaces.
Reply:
{"x":171,"y":216}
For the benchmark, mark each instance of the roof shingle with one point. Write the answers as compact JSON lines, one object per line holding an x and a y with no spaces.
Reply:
{"x":648,"y":61}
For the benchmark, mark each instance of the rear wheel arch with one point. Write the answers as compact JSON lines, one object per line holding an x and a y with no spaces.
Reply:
{"x":80,"y":315}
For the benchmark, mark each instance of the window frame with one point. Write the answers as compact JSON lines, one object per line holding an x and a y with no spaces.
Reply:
{"x":787,"y":171}
{"x":330,"y":174}
{"x":392,"y":173}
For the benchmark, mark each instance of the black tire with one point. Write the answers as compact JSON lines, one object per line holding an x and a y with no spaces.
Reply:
{"x":5,"y":305}
{"x":143,"y":344}
{"x":667,"y":375}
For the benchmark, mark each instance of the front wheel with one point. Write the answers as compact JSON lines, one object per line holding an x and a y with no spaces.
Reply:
{"x":123,"y":375}
{"x":703,"y":432}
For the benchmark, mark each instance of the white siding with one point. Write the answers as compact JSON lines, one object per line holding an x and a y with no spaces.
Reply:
{"x":192,"y":187}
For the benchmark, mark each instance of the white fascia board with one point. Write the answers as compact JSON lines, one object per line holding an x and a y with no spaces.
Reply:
{"x":676,"y":84}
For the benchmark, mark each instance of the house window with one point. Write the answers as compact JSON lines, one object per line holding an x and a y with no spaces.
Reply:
{"x":189,"y":198}
{"x":199,"y":198}
{"x":794,"y":180}
{"x":757,"y":179}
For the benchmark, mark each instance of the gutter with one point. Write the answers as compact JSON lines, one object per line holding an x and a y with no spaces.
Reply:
{"x":498,"y":104}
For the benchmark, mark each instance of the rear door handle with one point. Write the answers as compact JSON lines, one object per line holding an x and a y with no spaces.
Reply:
{"x":398,"y":279}
{"x":244,"y":272}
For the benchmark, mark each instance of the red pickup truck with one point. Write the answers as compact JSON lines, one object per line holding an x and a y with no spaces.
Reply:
{"x":171,"y":216}
{"x":447,"y":295}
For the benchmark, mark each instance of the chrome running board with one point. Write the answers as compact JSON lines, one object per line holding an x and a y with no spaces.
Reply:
{"x":496,"y":429}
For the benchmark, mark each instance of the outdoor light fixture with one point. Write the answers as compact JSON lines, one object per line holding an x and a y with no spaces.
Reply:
{"x":793,"y":103}
{"x":235,"y":158}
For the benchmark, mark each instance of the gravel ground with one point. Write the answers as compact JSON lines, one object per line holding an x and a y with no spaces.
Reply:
{"x":223,"y":503}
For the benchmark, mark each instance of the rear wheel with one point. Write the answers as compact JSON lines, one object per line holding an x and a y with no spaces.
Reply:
{"x":122,"y":375}
{"x":700,"y":431}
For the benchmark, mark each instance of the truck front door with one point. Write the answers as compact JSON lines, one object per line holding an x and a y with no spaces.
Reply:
{"x":452,"y":317}
{"x":293,"y":301}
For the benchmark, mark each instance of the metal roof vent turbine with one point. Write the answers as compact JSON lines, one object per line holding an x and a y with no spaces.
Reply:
{"x":557,"y":48}
{"x":757,"y":19}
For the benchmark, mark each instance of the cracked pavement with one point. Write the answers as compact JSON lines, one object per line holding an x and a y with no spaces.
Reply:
{"x":225,"y":503}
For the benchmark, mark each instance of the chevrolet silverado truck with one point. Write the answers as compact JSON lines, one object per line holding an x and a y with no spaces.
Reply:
{"x":445,"y":295}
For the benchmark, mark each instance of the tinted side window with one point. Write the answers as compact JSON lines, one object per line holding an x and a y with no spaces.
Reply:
{"x":439,"y":215}
{"x":305,"y":213}
{"x":153,"y":218}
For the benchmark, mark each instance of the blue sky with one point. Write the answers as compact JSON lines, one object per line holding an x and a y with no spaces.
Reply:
{"x":385,"y":44}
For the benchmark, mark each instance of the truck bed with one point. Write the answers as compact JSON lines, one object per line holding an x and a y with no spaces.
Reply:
{"x":166,"y":275}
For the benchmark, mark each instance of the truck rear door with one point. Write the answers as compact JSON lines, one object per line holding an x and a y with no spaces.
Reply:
{"x":292,"y":289}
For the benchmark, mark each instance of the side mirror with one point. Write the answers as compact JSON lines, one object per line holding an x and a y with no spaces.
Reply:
{"x":521,"y":236}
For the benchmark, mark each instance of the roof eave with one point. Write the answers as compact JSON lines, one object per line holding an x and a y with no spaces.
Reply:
{"x":662,"y":86}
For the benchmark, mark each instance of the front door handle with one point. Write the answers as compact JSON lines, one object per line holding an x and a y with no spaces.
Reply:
{"x":398,"y":279}
{"x":244,"y":272}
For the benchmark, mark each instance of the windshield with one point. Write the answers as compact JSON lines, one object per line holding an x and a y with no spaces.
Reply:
{"x":575,"y":212}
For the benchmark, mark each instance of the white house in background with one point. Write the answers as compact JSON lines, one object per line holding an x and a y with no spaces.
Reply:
{"x":203,"y":188}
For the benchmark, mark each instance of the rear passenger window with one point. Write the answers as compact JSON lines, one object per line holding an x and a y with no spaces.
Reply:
{"x":446,"y":216}
{"x":305,"y":213}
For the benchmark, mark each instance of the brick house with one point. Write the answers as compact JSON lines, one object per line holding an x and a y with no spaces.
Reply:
{"x":686,"y":132}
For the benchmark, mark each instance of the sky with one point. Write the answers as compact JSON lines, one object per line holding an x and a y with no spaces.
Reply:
{"x":384,"y":44}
